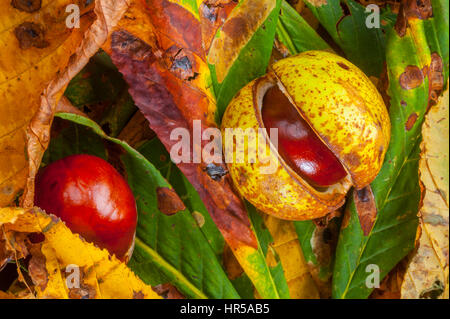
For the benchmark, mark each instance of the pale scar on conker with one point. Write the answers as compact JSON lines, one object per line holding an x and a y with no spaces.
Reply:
{"x":30,"y":34}
{"x":27,"y":5}
{"x":333,"y":132}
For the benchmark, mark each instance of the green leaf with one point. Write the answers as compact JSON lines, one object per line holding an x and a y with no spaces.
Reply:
{"x":168,"y":248}
{"x":74,"y":139}
{"x":295,"y":33}
{"x":396,"y":188}
{"x":99,"y":81}
{"x":244,"y":286}
{"x":363,"y":46}
{"x":101,"y":87}
{"x":156,"y":153}
{"x":275,"y":279}
{"x":251,"y":62}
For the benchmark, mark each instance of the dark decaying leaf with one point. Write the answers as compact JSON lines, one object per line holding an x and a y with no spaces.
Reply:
{"x":156,"y":100}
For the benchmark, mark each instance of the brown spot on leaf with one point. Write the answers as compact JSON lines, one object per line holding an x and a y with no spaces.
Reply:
{"x":323,"y":241}
{"x":412,"y":9}
{"x":180,"y":63}
{"x":402,"y":23}
{"x":216,"y":172}
{"x":419,"y":9}
{"x":435,"y":78}
{"x":123,"y":41}
{"x":411,"y":78}
{"x":36,"y":267}
{"x":411,"y":121}
{"x":30,"y":34}
{"x":383,"y":86}
{"x":168,"y":291}
{"x":346,"y":219}
{"x":366,"y":208}
{"x":231,"y":264}
{"x":138,"y":295}
{"x":209,"y":12}
{"x":27,"y":5}
{"x":168,"y":201}
{"x":236,"y":27}
{"x":84,"y":291}
{"x":212,"y":15}
{"x":179,"y":25}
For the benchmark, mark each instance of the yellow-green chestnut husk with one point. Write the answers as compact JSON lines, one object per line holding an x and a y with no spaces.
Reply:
{"x":343,"y":108}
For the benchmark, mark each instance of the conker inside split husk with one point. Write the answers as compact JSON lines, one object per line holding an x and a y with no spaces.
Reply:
{"x":333,"y":133}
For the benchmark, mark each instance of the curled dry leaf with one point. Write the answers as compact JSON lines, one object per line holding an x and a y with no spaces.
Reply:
{"x":42,"y":55}
{"x":63,"y":265}
{"x":366,"y":208}
{"x":427,"y":272}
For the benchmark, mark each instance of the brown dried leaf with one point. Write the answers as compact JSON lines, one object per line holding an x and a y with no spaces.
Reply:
{"x":157,"y":57}
{"x":42,"y":55}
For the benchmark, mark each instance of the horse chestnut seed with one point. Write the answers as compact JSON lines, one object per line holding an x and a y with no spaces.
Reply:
{"x":333,"y":131}
{"x":298,"y":144}
{"x":93,"y":199}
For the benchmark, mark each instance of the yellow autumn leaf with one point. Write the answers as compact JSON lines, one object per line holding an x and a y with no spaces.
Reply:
{"x":287,"y":247}
{"x":40,"y":53}
{"x":66,"y":266}
{"x":226,"y":46}
{"x":427,"y":272}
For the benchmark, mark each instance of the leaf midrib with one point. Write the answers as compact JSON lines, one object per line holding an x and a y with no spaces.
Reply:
{"x":168,"y":267}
